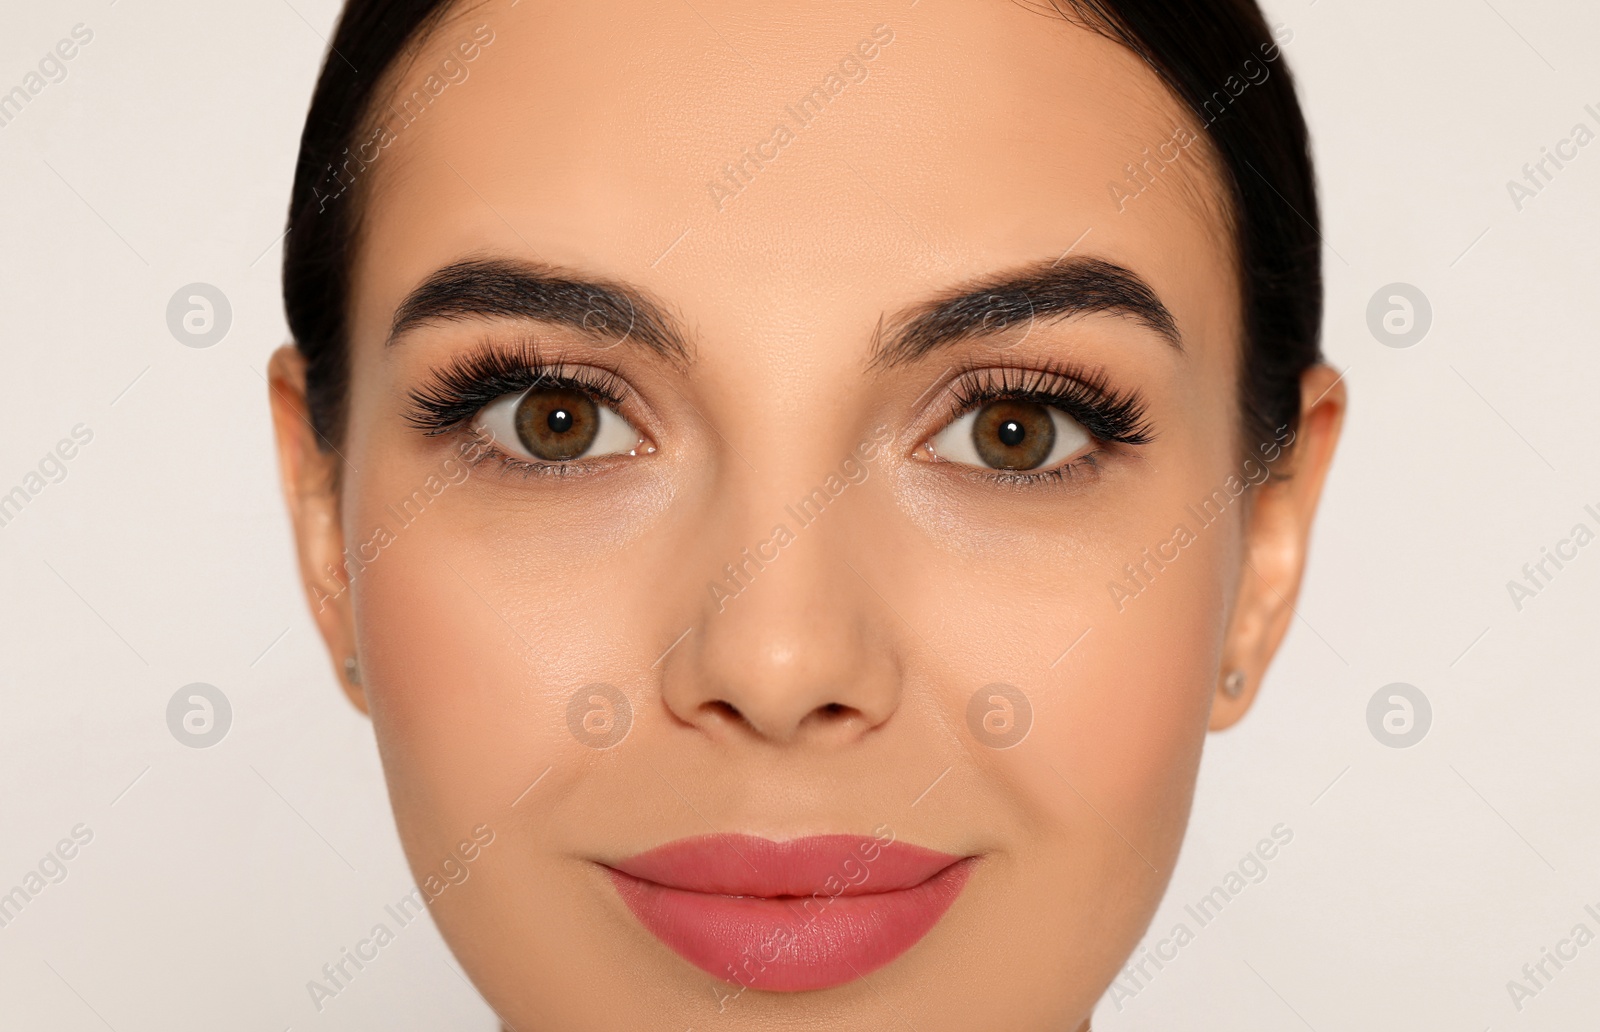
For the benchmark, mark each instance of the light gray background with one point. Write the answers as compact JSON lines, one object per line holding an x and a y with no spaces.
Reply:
{"x":1419,"y":880}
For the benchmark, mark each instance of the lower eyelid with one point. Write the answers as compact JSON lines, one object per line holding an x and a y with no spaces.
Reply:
{"x":1088,"y":462}
{"x":511,"y":464}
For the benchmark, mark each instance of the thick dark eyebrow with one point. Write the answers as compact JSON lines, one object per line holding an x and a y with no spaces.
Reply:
{"x":1077,"y":286}
{"x":491,"y":288}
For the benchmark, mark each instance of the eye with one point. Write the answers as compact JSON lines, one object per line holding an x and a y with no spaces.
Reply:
{"x":556,"y":424}
{"x":1011,"y":435}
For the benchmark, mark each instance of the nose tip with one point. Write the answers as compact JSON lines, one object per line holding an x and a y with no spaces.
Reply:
{"x":798,"y":656}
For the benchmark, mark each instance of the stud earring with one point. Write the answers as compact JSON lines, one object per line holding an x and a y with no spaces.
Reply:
{"x":352,"y":670}
{"x":1233,"y":684}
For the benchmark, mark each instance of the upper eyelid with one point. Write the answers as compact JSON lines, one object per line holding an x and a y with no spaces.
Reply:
{"x":970,"y":388}
{"x":467,"y":377}
{"x":967,"y":390}
{"x":432,"y":415}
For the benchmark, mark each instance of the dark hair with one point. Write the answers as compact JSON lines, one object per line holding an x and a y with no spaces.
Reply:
{"x":318,"y":251}
{"x":1204,"y":55}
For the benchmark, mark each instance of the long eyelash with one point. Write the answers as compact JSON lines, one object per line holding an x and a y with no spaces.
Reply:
{"x":460,"y":390}
{"x":1108,"y":414}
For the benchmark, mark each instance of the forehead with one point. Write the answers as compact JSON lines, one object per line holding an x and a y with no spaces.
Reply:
{"x":752,"y":163}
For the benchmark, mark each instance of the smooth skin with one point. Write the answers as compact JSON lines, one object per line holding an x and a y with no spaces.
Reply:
{"x":829,"y":695}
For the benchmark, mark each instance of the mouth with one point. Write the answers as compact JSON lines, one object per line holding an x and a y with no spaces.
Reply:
{"x":807,"y":913}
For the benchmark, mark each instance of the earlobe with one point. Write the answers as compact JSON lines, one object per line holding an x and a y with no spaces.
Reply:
{"x":310,"y":481}
{"x":1276,"y":539}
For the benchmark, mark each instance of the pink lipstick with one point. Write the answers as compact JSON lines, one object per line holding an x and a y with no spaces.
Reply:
{"x":807,"y":913}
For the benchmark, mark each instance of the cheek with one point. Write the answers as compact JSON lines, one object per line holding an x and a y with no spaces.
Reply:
{"x":476,"y":628}
{"x":1095,"y":800}
{"x":1136,"y":696}
{"x":441,"y":671}
{"x":487,"y":612}
{"x":1120,"y":697}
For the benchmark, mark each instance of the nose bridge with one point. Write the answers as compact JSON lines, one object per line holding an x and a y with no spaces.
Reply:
{"x":787,"y":647}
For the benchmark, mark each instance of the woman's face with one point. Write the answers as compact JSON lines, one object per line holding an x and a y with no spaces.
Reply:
{"x":884,"y":481}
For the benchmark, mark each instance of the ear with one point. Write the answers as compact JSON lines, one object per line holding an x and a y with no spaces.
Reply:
{"x":309,"y":470}
{"x":1277,"y":534}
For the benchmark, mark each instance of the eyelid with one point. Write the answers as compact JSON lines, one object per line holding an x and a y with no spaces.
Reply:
{"x":964,"y":452}
{"x":1110,"y":414}
{"x":504,"y":440}
{"x":454,"y":393}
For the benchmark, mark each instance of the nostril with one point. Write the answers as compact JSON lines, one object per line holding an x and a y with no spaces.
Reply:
{"x":836,"y":713}
{"x":827,"y":715}
{"x":726,"y":710}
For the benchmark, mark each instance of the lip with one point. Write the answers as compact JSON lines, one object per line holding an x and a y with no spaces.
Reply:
{"x":806,"y":913}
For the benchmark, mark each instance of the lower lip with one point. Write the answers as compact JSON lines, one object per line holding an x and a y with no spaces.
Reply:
{"x":790,"y":942}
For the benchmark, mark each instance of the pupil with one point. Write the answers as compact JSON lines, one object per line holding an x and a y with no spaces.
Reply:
{"x":1012,"y":433}
{"x":559,"y":421}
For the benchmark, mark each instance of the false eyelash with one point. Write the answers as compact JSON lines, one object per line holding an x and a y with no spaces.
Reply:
{"x":460,"y":390}
{"x":1108,"y":414}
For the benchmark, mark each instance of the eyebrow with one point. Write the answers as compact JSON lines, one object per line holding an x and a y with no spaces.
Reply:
{"x":488,"y":288}
{"x":1078,"y":286}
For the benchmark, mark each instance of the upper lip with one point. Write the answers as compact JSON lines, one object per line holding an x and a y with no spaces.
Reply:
{"x":748,"y":865}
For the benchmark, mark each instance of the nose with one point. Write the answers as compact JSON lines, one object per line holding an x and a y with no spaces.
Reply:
{"x":792,"y":645}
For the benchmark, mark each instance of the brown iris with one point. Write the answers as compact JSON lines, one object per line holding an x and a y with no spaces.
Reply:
{"x":557,"y":425}
{"x":1013,"y":434}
